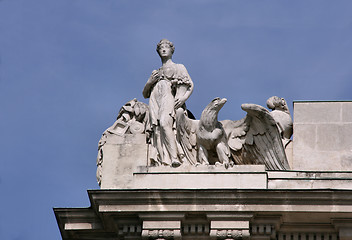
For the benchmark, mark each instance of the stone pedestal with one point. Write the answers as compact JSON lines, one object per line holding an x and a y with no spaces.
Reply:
{"x":122,"y":156}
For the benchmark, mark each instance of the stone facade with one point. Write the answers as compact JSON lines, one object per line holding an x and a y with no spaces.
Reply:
{"x":322,"y":136}
{"x":210,"y":214}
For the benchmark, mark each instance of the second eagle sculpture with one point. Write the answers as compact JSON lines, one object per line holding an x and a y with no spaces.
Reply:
{"x":255,"y":139}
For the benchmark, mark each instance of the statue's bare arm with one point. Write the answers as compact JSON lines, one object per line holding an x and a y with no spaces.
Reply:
{"x":184,"y":91}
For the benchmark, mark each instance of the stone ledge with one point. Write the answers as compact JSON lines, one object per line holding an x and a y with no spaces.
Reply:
{"x":222,"y":211}
{"x":325,"y":175}
{"x":201,"y":180}
{"x":310,"y":180}
{"x":211,"y":169}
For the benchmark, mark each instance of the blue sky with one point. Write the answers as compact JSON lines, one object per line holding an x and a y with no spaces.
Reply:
{"x":66,"y":68}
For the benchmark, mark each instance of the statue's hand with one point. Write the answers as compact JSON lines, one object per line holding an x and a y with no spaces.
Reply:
{"x":154,"y":77}
{"x":179,"y":102}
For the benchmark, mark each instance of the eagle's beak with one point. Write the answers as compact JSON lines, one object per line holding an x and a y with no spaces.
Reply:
{"x":222,"y":102}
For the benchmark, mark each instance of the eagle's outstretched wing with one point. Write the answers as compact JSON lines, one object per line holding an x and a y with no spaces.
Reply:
{"x":256,"y":139}
{"x":186,"y":137}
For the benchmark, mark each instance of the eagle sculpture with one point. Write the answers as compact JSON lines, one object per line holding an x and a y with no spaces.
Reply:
{"x":255,"y":139}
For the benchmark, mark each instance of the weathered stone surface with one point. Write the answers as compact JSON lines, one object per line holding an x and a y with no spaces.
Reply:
{"x":309,"y":180}
{"x":322,"y":136}
{"x":161,"y":225}
{"x":316,"y":112}
{"x":122,"y":156}
{"x":346,"y":112}
{"x":345,"y":136}
{"x":204,"y":169}
{"x":191,"y":177}
{"x":193,"y":180}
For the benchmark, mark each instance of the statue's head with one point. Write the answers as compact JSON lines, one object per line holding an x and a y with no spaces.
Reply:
{"x":276,"y":103}
{"x":165,"y":42}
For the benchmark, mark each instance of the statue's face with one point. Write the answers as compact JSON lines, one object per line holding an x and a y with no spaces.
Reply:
{"x":165,"y":51}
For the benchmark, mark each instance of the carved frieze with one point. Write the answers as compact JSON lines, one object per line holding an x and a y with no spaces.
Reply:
{"x":229,"y":234}
{"x":162,"y":234}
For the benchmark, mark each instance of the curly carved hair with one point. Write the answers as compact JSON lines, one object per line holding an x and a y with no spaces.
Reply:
{"x":165,"y":41}
{"x":276,"y":103}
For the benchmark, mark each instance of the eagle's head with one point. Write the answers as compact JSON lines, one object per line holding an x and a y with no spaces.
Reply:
{"x":209,"y":117}
{"x":217,"y":104}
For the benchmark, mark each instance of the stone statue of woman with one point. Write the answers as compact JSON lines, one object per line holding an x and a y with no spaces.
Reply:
{"x":167,"y":88}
